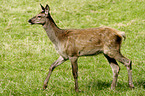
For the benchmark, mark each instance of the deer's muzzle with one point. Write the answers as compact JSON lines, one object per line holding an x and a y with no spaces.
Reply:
{"x":30,"y":21}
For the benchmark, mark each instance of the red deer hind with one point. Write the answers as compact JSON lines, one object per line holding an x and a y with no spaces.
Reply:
{"x":73,"y":43}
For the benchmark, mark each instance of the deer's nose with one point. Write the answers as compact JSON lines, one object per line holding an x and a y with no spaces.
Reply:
{"x":29,"y":20}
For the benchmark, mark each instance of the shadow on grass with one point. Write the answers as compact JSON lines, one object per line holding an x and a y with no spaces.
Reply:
{"x":99,"y":85}
{"x":140,"y":83}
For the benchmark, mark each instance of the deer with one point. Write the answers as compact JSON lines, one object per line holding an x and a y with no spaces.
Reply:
{"x":74,"y":43}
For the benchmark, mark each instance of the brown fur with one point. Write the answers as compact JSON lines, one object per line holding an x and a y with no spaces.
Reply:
{"x":73,"y":43}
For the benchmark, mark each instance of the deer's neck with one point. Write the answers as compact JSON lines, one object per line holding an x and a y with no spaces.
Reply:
{"x":52,"y":30}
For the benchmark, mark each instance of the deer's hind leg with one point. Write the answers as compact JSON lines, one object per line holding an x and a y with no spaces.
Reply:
{"x":115,"y":70}
{"x":128,"y":63}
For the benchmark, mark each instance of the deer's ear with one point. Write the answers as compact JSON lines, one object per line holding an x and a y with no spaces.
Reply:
{"x":47,"y":9}
{"x":43,"y":9}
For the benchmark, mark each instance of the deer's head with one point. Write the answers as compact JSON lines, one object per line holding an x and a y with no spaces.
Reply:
{"x":41,"y":17}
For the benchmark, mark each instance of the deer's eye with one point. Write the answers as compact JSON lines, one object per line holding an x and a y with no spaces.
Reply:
{"x":39,"y":16}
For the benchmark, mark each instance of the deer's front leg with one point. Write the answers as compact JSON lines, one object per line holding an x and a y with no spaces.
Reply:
{"x":75,"y":71}
{"x":59,"y":61}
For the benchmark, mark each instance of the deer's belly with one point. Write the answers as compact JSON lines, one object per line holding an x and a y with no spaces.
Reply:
{"x":95,"y":51}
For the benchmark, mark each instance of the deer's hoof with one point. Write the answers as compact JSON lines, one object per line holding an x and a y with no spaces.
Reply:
{"x":44,"y":87}
{"x":131,"y":86}
{"x":77,"y":90}
{"x":112,"y":88}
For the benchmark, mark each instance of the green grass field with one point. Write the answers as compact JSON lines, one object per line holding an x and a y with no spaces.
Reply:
{"x":26,"y":52}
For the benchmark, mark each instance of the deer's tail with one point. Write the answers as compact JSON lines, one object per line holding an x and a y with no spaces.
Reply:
{"x":122,"y":34}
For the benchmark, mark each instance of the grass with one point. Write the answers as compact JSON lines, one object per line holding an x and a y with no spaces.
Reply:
{"x":26,"y":52}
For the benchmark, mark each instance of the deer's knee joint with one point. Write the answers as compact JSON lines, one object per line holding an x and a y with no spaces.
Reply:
{"x":118,"y":69}
{"x":51,"y":68}
{"x":75,"y":76}
{"x":129,"y":64}
{"x":115,"y":67}
{"x":116,"y":72}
